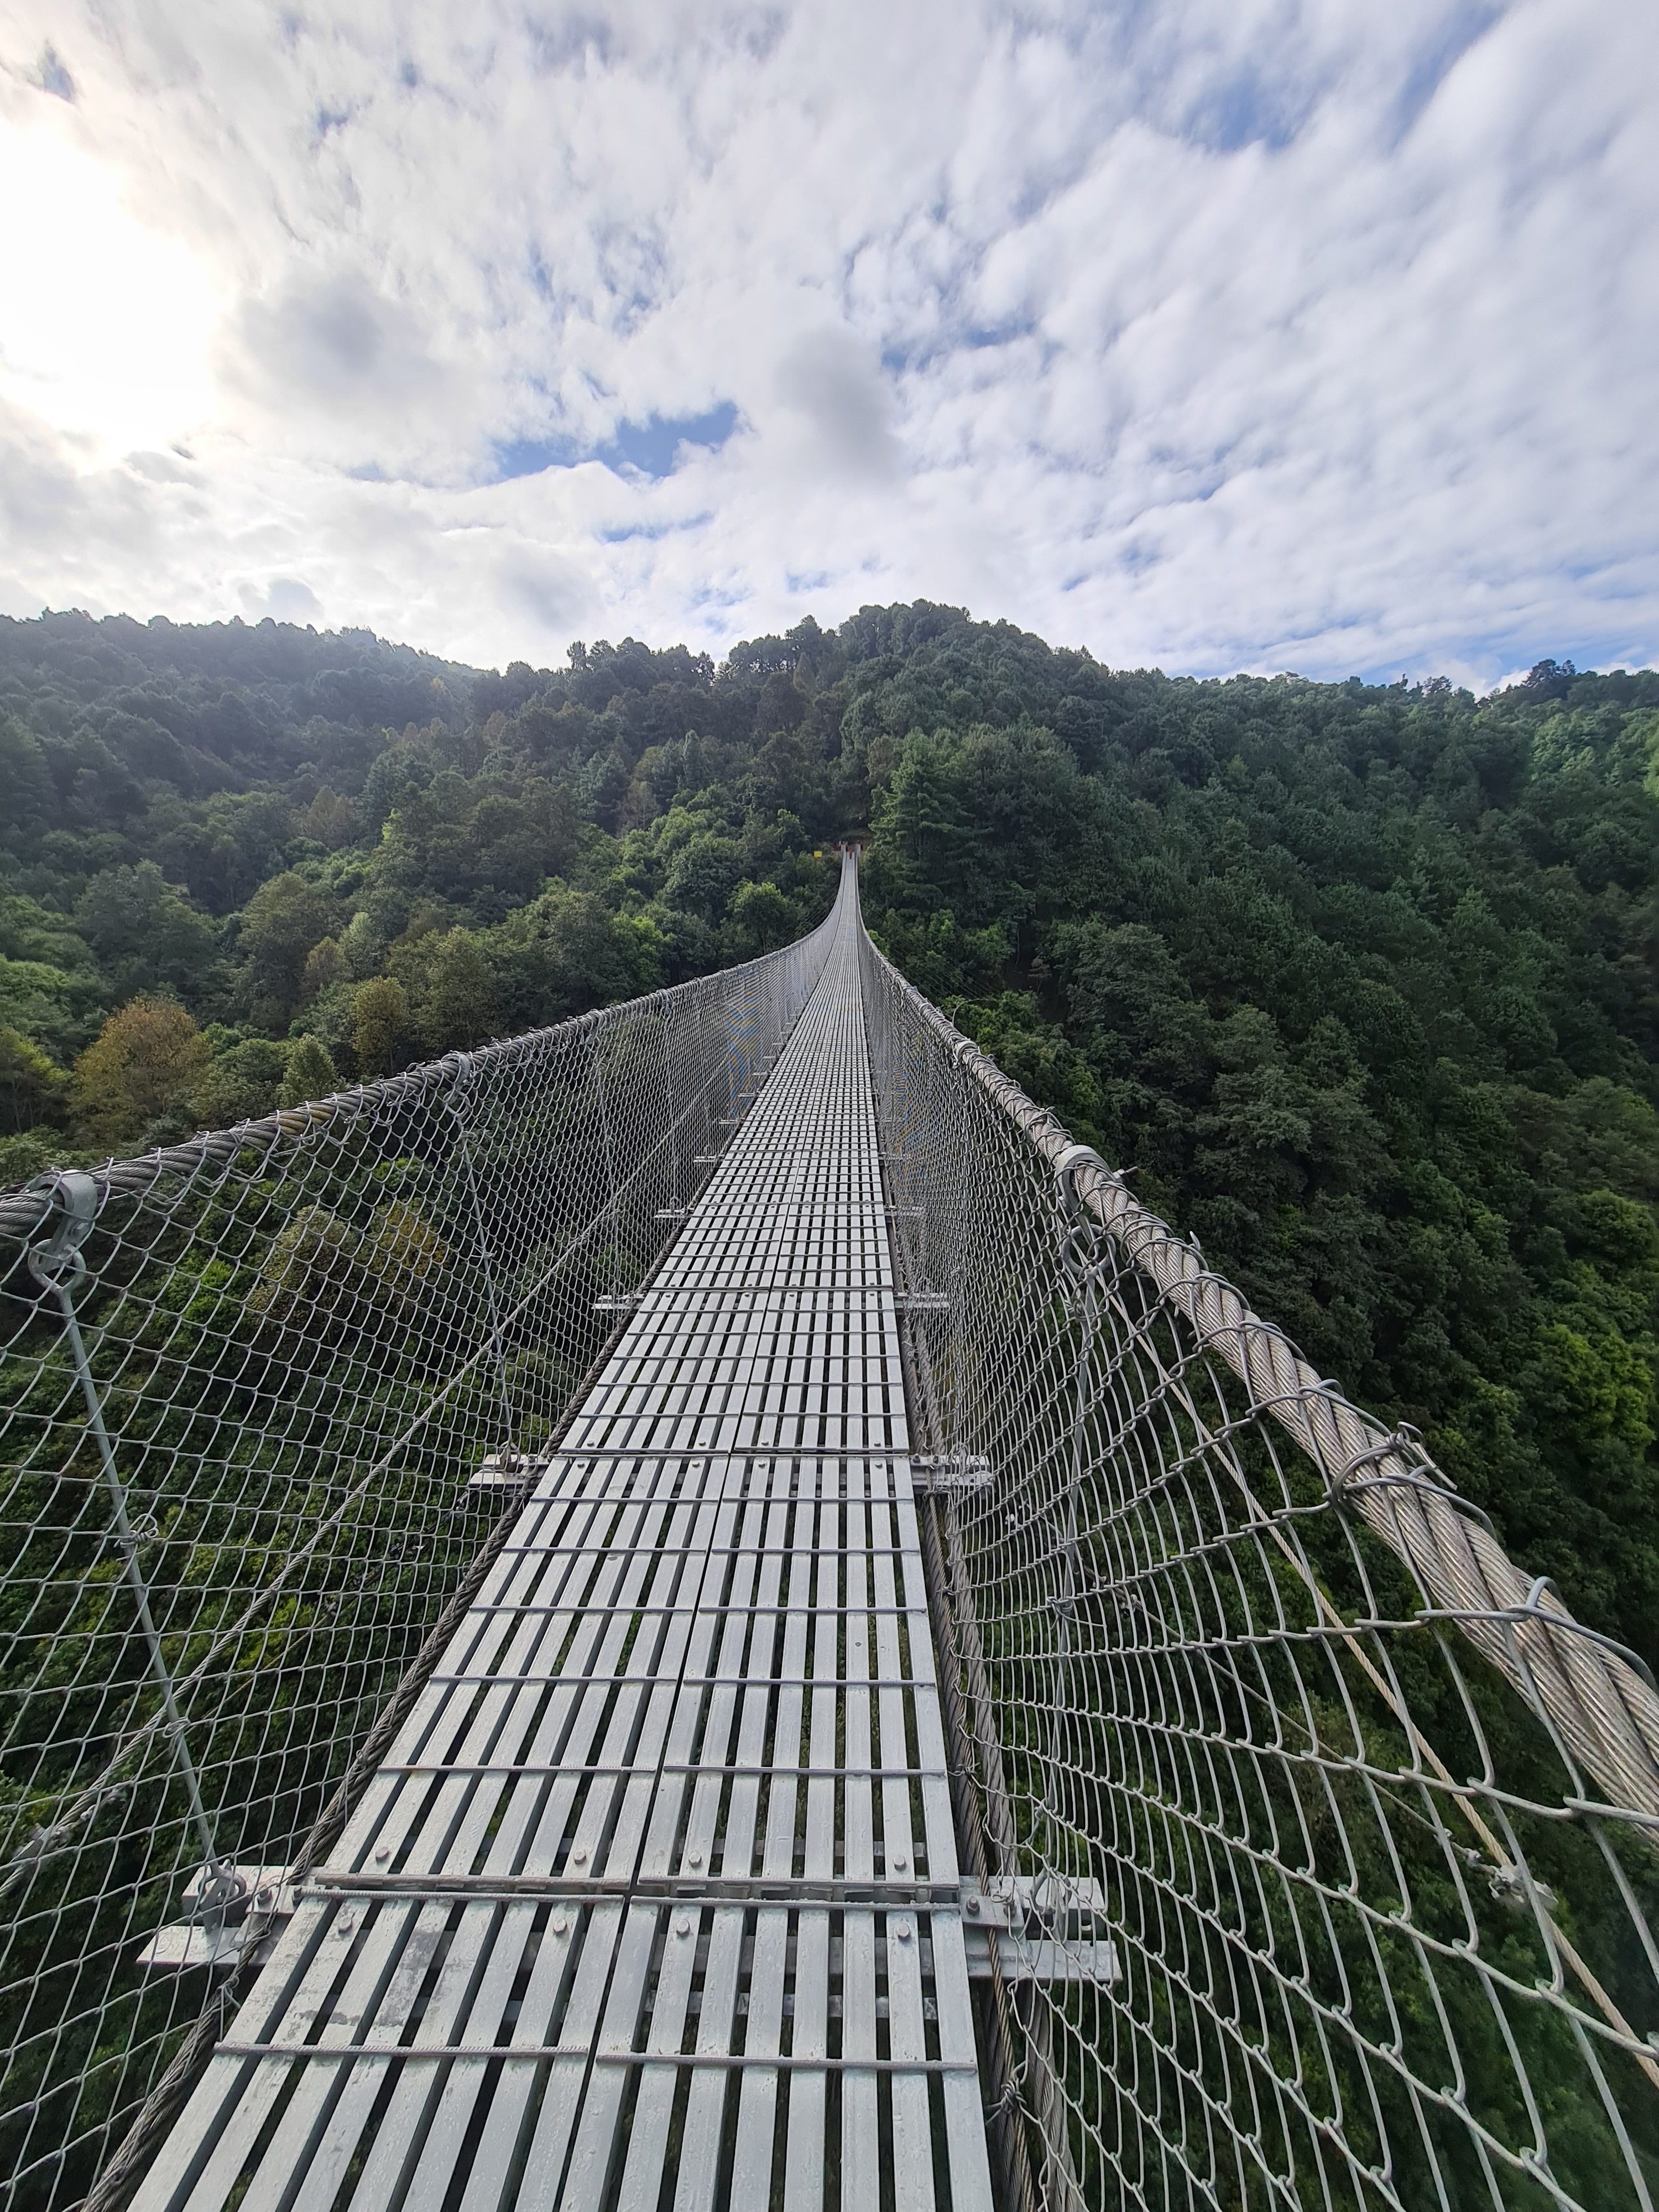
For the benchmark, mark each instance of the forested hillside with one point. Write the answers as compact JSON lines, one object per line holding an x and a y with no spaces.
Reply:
{"x":1360,"y":982}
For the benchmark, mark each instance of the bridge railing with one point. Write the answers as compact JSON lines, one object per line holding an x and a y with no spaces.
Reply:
{"x":244,"y":1383}
{"x":1334,"y":1832}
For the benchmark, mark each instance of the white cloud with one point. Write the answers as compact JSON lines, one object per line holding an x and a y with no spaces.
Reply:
{"x":1249,"y":333}
{"x":840,"y":400}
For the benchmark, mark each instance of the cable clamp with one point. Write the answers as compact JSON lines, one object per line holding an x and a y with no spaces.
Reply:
{"x":1405,"y":1442}
{"x":59,"y":1261}
{"x":1066,"y":1167}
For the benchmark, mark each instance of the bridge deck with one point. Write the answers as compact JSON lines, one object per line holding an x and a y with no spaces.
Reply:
{"x":653,"y":1904}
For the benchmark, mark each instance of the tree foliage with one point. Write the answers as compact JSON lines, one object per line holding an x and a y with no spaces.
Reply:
{"x":30,"y":1086}
{"x":143,"y":1067}
{"x":380,"y":1019}
{"x":310,"y":1073}
{"x":1361,"y":981}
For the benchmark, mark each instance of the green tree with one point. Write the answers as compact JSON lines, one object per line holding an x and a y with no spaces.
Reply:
{"x":380,"y":1023}
{"x":705,"y":873}
{"x":330,"y":819}
{"x":145,"y":934}
{"x":322,"y":968}
{"x":284,"y":919}
{"x":459,"y":1006}
{"x":762,"y":917}
{"x":362,"y":948}
{"x":23,"y":776}
{"x":141,"y":1070}
{"x":241,"y":1084}
{"x":27,"y":1155}
{"x":310,"y":1074}
{"x":55,"y":1007}
{"x":31,"y":1084}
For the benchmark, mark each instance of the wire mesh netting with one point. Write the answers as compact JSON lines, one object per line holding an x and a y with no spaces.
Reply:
{"x":262,"y":1397}
{"x":1322,"y":1836}
{"x":1333,"y":1833}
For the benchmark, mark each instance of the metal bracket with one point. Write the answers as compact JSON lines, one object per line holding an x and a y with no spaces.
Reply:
{"x":217,"y":1929}
{"x":1046,"y":1927}
{"x":673,"y":1214}
{"x":56,"y":1261}
{"x":618,"y":1302}
{"x":943,"y":1474}
{"x":505,"y":1474}
{"x":916,"y":1302}
{"x":1066,"y":1167}
{"x":991,"y":1906}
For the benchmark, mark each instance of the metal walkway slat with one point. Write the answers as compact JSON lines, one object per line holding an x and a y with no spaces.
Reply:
{"x":653,"y":1903}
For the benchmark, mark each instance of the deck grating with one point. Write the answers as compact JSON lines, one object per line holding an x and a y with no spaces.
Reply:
{"x":653,"y":1903}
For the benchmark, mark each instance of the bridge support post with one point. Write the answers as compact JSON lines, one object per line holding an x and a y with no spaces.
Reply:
{"x":58,"y":1265}
{"x":485,"y":1251}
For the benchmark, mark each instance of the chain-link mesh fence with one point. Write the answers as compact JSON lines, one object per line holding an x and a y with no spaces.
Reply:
{"x":1331,"y":1834}
{"x":262,"y":1398}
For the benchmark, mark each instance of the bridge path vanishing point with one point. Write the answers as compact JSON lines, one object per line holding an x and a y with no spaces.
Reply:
{"x":660,"y":1878}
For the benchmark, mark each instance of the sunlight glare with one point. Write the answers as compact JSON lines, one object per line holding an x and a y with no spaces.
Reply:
{"x":105,"y":327}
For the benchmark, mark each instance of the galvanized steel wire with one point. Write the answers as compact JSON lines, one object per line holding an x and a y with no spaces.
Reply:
{"x":1367,"y":1818}
{"x":243,"y":1384}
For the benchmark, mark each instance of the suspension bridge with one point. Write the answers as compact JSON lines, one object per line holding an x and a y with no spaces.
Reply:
{"x":701,"y":1609}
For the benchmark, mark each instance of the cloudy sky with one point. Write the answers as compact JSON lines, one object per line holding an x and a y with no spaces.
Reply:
{"x":1221,"y":334}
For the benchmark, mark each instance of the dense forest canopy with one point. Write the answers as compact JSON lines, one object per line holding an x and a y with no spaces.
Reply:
{"x":1360,"y":982}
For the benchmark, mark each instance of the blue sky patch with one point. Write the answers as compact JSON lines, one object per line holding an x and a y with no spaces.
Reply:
{"x":1465,"y":26}
{"x":645,"y":448}
{"x":650,"y":447}
{"x":1244,"y":111}
{"x":528,"y":457}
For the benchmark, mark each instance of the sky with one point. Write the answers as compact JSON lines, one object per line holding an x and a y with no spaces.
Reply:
{"x":1216,"y":335}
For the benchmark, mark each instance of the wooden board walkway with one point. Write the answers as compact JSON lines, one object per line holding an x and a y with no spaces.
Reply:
{"x":655,"y":1904}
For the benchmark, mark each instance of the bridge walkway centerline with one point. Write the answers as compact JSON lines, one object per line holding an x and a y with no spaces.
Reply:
{"x":654,"y":1902}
